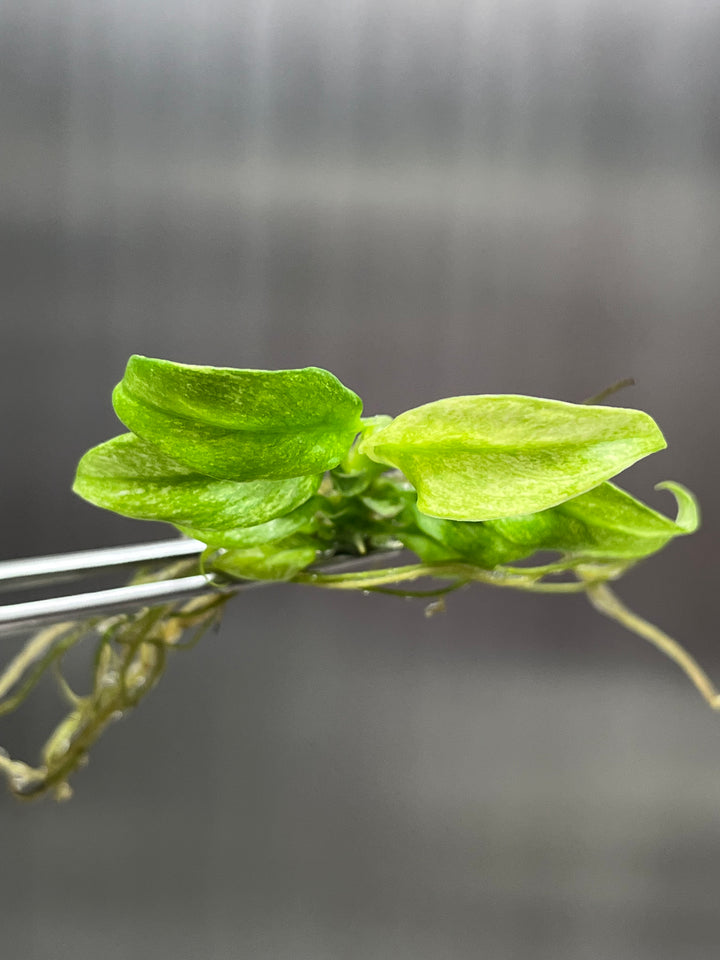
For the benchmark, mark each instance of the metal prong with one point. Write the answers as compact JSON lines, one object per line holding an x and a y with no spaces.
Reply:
{"x":36,"y":571}
{"x":81,"y":605}
{"x":102,"y":601}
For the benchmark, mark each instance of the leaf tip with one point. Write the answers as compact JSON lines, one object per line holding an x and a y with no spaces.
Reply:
{"x":688,"y":509}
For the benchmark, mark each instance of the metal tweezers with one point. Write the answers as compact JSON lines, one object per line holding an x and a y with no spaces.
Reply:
{"x":58,"y":568}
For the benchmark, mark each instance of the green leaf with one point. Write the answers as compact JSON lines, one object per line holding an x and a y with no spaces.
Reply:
{"x":281,"y":527}
{"x":477,"y":542}
{"x":386,"y":499}
{"x":607,"y":523}
{"x":131,"y":477}
{"x":688,"y":515}
{"x":357,"y":472}
{"x":430,"y":550}
{"x":604,"y":524}
{"x":240,"y":424}
{"x":484,"y":457}
{"x":269,"y":561}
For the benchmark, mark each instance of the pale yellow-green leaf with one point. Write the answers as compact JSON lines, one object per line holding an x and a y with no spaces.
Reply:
{"x":485,"y":457}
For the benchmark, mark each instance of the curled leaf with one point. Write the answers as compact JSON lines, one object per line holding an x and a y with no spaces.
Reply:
{"x":240,"y":424}
{"x":605,"y":524}
{"x":131,"y":477}
{"x":485,"y":457}
{"x":688,"y":514}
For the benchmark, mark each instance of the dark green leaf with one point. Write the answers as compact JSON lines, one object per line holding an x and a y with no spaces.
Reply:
{"x":240,"y":424}
{"x":435,"y":539}
{"x":430,"y":550}
{"x":484,"y":457}
{"x":131,"y":477}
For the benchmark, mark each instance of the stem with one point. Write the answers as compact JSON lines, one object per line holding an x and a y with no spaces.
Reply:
{"x":419,"y":594}
{"x":46,"y":648}
{"x":607,"y":603}
{"x":447,"y":570}
{"x":31,"y":652}
{"x":129,"y":660}
{"x":365,"y":579}
{"x":609,"y":391}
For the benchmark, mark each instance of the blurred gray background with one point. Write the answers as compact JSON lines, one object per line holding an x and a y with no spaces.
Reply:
{"x":428,"y":197}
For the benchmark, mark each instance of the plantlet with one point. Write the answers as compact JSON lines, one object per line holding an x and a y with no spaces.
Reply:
{"x":277,"y":470}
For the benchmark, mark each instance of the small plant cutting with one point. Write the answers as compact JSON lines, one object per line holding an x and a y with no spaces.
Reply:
{"x":277,"y":472}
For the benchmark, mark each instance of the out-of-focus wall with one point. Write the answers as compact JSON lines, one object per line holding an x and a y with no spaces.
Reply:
{"x":429,"y":198}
